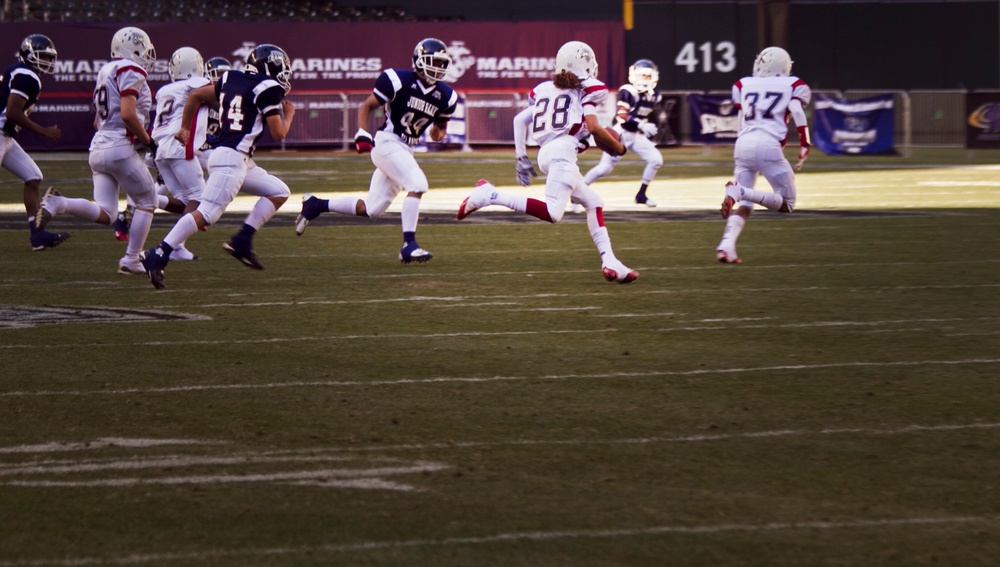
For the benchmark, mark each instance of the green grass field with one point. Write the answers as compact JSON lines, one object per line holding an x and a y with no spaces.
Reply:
{"x":832,"y":401}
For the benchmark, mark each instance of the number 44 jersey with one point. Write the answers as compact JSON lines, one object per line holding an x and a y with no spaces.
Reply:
{"x":411,"y":106}
{"x":764,"y":103}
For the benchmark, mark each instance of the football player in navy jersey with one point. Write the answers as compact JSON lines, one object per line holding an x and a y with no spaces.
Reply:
{"x":413,"y":100}
{"x":20,"y":86}
{"x":636,"y":102}
{"x":247,"y":100}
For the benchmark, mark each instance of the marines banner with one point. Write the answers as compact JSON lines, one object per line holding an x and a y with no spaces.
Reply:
{"x":865,"y":126}
{"x":328,"y":58}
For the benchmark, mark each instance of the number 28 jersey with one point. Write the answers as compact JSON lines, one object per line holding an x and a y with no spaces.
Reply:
{"x":764,"y":103}
{"x":558,"y":112}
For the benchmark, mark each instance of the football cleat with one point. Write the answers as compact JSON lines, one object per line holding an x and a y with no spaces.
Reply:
{"x":123,"y":223}
{"x":43,"y":239}
{"x":154,"y":261}
{"x":130,"y":266}
{"x":727,"y":257}
{"x":411,"y":252}
{"x":183,"y":254}
{"x":242,"y":250}
{"x":44,"y":214}
{"x":481,"y":196}
{"x":619,"y":273}
{"x":732,"y":196}
{"x":645,"y":201}
{"x":311,"y":208}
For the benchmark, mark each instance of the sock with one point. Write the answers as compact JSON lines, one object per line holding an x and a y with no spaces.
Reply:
{"x":768,"y":200}
{"x":641,"y":195}
{"x":518,"y":203}
{"x":538,"y":209}
{"x":82,"y":208}
{"x":409,"y":214}
{"x":137,"y":233}
{"x":342,"y":205}
{"x":183,"y":230}
{"x":262,"y":212}
{"x":734,"y":226}
{"x":599,"y":234}
{"x":31,"y":224}
{"x":409,"y":236}
{"x":247,"y":231}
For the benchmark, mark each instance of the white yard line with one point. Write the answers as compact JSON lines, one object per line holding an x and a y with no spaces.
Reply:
{"x":510,"y":537}
{"x":495,"y":379}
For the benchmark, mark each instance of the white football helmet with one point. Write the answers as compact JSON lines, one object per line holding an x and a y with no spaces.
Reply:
{"x":772,"y":62}
{"x":133,"y":44}
{"x":578,"y":58}
{"x":185,"y":63}
{"x":644,"y":75}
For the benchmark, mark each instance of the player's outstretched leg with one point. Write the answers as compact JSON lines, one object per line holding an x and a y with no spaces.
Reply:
{"x":479,"y":198}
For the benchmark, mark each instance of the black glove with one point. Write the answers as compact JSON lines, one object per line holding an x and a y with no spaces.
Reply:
{"x":141,"y":146}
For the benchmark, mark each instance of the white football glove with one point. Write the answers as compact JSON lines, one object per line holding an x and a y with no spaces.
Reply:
{"x":648,"y":128}
{"x":524,"y":170}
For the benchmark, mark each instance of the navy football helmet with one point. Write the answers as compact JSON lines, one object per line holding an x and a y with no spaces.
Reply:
{"x":431,"y":59}
{"x":215,"y":67}
{"x":39,"y":53}
{"x":271,"y":60}
{"x":644,"y":75}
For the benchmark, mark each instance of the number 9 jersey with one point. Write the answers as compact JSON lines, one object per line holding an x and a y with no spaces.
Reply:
{"x":764,"y":103}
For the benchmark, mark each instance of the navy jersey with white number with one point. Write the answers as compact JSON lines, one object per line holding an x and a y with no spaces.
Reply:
{"x":245,"y":101}
{"x":410,"y":105}
{"x":638,"y":105}
{"x":20,"y":79}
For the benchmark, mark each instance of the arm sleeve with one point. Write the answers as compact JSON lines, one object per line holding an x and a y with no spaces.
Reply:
{"x":798,"y":114}
{"x":521,"y":122}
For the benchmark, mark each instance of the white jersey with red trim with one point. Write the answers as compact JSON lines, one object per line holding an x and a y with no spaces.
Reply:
{"x":763,"y":102}
{"x":118,"y":78}
{"x":560,"y":112}
{"x":170,"y":100}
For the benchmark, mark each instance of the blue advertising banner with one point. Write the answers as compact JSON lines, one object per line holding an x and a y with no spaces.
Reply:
{"x":863,"y":126}
{"x":714,"y":119}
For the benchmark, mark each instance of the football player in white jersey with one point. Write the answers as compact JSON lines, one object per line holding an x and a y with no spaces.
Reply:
{"x":765,"y":101}
{"x":123,"y":102}
{"x":177,"y":163}
{"x":563,"y":115}
{"x":637,"y":101}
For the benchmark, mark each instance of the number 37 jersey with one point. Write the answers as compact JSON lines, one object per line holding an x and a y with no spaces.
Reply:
{"x":764,"y":101}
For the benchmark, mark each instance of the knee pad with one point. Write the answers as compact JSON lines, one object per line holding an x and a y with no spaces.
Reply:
{"x":376,"y":209}
{"x":211,"y":212}
{"x":555,"y":215}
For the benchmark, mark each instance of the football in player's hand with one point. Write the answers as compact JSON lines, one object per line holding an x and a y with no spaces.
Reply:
{"x":604,"y":147}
